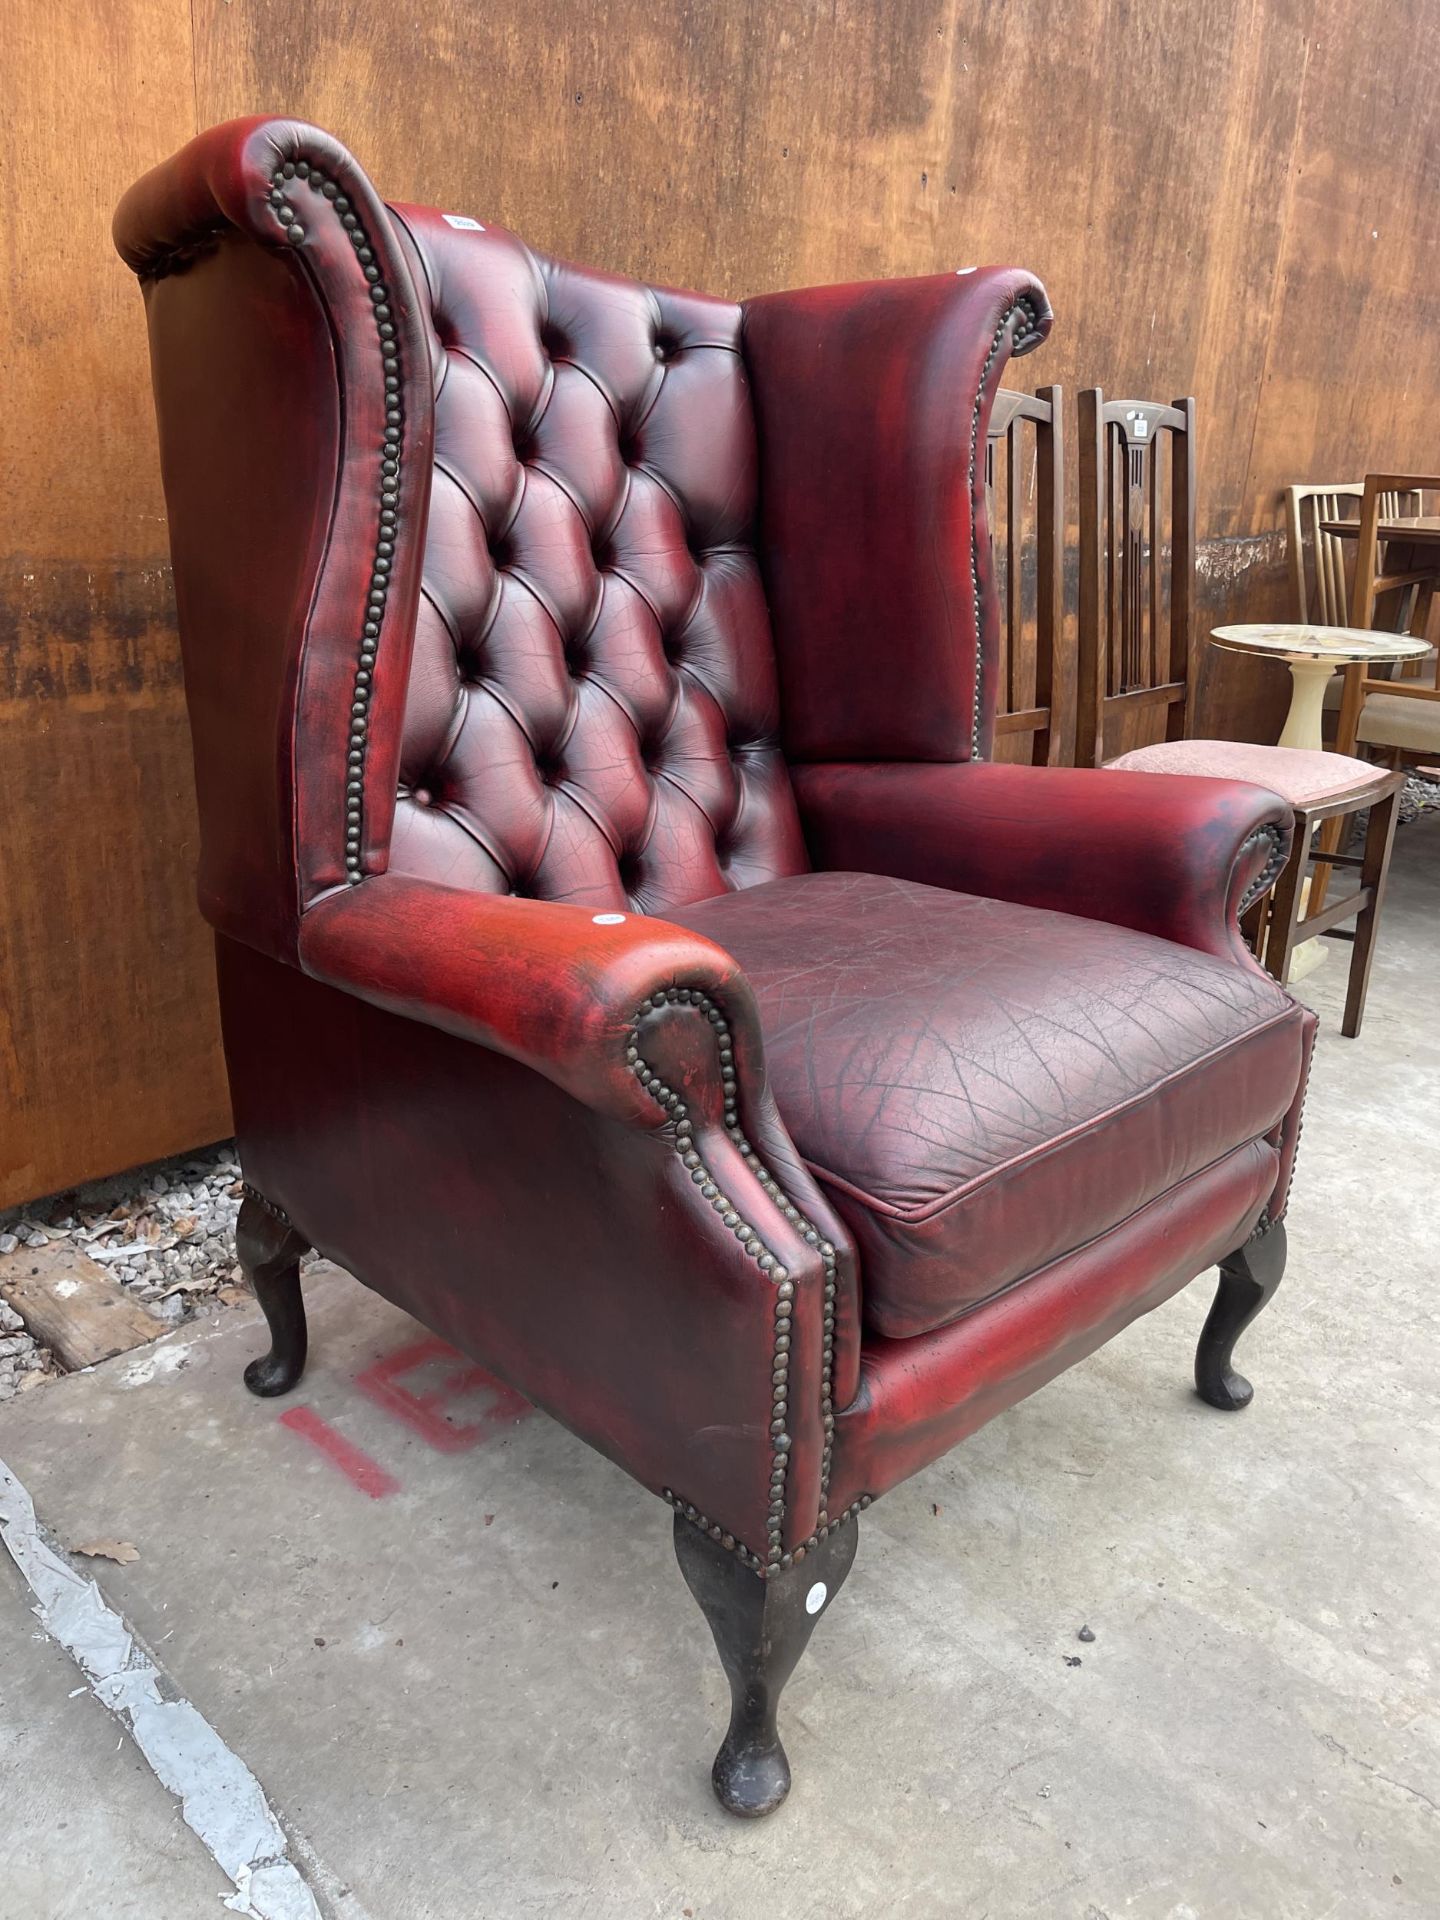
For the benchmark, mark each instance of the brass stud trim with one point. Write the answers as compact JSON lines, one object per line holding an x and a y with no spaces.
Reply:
{"x":284,"y":180}
{"x":1026,"y":335}
{"x":775,"y":1559}
{"x":275,"y":1213}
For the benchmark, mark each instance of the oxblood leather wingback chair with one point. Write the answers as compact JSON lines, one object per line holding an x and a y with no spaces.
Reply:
{"x":629,"y":962}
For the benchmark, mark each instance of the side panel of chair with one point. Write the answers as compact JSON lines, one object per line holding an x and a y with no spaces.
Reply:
{"x":296,"y":415}
{"x":1034,"y":676}
{"x":872,"y":403}
{"x":1134,"y":651}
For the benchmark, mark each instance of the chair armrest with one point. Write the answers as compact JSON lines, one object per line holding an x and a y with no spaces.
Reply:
{"x":556,"y":987}
{"x":872,"y":404}
{"x":694,"y":1210}
{"x":1182,"y":858}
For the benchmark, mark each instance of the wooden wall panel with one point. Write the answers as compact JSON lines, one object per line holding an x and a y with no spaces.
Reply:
{"x":108,"y":1042}
{"x":1235,"y":198}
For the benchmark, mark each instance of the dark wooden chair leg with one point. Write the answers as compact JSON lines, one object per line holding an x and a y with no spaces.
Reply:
{"x":761,"y":1628}
{"x":1285,"y":902}
{"x":1374,"y":873}
{"x":269,"y":1250}
{"x":1247,"y":1279}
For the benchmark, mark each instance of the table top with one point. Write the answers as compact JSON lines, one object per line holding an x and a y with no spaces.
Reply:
{"x":1421,"y":530}
{"x":1337,"y":644}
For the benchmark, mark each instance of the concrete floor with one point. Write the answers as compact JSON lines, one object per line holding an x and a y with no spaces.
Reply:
{"x":487,"y":1692}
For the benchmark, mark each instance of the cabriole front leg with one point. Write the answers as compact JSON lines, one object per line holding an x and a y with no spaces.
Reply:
{"x":761,"y":1628}
{"x":1248,"y":1277}
{"x":269,"y":1251}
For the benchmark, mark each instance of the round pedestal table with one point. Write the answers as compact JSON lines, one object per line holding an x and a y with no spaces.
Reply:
{"x":1313,"y":655}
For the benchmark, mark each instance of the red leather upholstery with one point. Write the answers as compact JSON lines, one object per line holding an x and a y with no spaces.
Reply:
{"x":593,"y":713}
{"x":982,"y":1087}
{"x":1180,"y":858}
{"x":469,"y":552}
{"x":917,"y":1398}
{"x":873,"y":403}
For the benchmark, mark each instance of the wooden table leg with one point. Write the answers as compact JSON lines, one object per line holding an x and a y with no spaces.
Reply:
{"x":1374,"y":874}
{"x":1352,"y":705}
{"x":1285,"y":902}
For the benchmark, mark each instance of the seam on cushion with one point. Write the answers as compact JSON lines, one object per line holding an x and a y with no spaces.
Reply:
{"x":1084,"y":1246}
{"x":929,"y":1209}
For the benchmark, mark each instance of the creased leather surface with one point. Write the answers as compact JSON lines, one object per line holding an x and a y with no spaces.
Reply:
{"x":983,"y":1086}
{"x":444,"y":1091}
{"x":918,"y":1398}
{"x":593,"y":713}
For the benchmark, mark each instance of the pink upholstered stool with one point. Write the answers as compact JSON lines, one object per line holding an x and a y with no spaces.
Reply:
{"x":1319,"y":786}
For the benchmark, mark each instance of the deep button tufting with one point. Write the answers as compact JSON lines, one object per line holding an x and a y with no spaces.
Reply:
{"x":422,"y":796}
{"x":540,"y":642}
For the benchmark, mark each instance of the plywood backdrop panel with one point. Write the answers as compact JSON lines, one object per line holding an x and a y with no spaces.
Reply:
{"x":108,"y":1040}
{"x":1224,"y":197}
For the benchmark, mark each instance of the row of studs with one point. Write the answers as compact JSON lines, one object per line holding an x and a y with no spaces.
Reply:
{"x":1267,"y":1212}
{"x":275,"y":1213}
{"x":383,"y":557}
{"x":1274,"y":866}
{"x":776,"y":1558}
{"x":1026,"y":310}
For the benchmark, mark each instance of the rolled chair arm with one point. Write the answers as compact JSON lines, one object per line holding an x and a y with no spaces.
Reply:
{"x":1180,"y":858}
{"x":656,"y":1028}
{"x":556,"y":987}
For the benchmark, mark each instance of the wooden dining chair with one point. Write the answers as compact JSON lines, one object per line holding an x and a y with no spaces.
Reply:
{"x":1320,"y":561}
{"x":1382,"y":708}
{"x":1025,"y":463}
{"x":1136,"y":621}
{"x":1319,"y":570}
{"x":1386,"y":565}
{"x":1136,"y":633}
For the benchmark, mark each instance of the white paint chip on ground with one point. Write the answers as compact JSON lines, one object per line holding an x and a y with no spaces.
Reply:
{"x":160,"y":1359}
{"x":220,"y":1799}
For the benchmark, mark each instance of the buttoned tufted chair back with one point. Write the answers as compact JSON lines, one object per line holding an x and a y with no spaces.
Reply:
{"x":592,"y":712}
{"x":467,"y":547}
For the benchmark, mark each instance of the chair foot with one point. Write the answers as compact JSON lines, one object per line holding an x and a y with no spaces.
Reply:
{"x":269,"y":1251}
{"x":1248,"y":1277}
{"x":761,"y":1628}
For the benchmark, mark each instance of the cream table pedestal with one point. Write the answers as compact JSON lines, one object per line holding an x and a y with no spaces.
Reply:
{"x":1313,"y":655}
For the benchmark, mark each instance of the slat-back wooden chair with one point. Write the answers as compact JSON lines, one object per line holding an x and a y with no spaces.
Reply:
{"x":1320,"y":561}
{"x":1371,"y":702}
{"x":1035,"y":693}
{"x":1322,"y":587}
{"x":1136,"y":630}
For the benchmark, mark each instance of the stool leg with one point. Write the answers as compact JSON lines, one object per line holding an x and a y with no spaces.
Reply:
{"x":1374,"y":875}
{"x":1285,"y":902}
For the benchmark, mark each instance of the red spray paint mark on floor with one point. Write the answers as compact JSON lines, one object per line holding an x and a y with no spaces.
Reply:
{"x":357,"y":1466}
{"x":423,"y":1410}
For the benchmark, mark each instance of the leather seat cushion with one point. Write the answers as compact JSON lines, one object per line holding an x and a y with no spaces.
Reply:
{"x":984,"y":1087}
